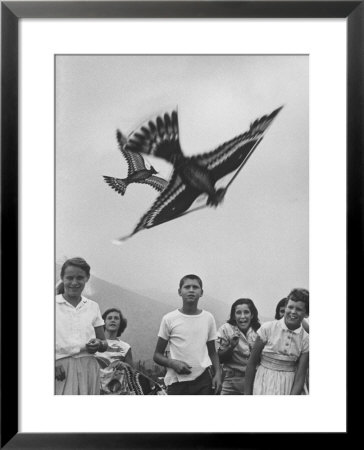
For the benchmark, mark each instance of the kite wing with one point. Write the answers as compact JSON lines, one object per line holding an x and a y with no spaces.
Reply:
{"x":173,"y":201}
{"x":135,"y":160}
{"x":116,"y":183}
{"x":158,"y":138}
{"x":157,"y":183}
{"x":232,"y":154}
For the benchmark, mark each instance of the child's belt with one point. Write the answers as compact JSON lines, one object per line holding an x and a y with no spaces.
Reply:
{"x":278,"y":364}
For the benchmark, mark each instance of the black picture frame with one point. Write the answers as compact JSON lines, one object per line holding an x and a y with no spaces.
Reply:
{"x":11,"y":13}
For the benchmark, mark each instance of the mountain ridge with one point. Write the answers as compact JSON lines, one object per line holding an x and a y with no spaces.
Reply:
{"x":144,"y":313}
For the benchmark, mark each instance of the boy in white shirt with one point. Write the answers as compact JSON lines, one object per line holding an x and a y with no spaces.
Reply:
{"x":191,"y":334}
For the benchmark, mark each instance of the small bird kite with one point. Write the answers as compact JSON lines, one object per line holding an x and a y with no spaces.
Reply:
{"x":137,"y":171}
{"x":191,"y":176}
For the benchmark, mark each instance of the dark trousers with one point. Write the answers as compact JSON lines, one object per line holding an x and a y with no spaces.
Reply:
{"x":200,"y":386}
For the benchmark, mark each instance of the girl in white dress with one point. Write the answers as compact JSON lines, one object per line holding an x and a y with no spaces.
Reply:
{"x":79,"y":333}
{"x":281,"y":352}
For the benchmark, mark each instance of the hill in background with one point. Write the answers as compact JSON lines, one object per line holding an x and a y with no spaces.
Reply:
{"x":144,"y":313}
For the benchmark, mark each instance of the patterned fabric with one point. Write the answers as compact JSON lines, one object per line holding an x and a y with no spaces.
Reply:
{"x":234,"y":369}
{"x":242,"y":351}
{"x":137,"y":171}
{"x":283,"y":347}
{"x":192,"y":176}
{"x":282,"y":341}
{"x":117,"y":377}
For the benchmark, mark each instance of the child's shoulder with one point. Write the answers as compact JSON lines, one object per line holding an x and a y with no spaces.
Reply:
{"x":226,"y":327}
{"x":270,"y":325}
{"x":207,"y":313}
{"x":171,"y":314}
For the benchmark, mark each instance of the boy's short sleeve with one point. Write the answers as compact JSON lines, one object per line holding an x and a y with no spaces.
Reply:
{"x":99,"y":321}
{"x":264,"y":332}
{"x":164,"y":332}
{"x":212,"y":335}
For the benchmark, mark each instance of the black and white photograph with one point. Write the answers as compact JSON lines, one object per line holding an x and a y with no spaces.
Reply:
{"x":181,"y":224}
{"x":178,"y":179}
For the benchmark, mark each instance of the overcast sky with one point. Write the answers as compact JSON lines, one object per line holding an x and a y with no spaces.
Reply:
{"x":253,"y":245}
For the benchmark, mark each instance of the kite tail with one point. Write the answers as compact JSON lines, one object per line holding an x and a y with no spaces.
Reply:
{"x":116,"y":183}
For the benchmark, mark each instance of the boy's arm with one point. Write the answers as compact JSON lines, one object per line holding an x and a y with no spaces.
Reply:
{"x":216,"y":380}
{"x":299,"y":379}
{"x":179,"y":366}
{"x":252,"y":364}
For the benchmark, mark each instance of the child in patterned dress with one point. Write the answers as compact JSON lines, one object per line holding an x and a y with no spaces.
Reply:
{"x":236,"y":339}
{"x":281,"y":352}
{"x":113,"y":372}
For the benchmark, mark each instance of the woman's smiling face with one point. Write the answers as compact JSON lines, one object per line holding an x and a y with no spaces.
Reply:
{"x":112,"y":321}
{"x":243,"y":317}
{"x":74,"y":280}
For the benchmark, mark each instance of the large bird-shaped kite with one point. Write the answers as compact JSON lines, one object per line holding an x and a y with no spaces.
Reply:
{"x":137,"y":171}
{"x":192,"y":176}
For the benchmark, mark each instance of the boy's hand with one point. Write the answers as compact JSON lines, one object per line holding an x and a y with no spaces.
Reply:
{"x":60,"y":373}
{"x":216,"y":384}
{"x":180,"y":367}
{"x":93,"y":345}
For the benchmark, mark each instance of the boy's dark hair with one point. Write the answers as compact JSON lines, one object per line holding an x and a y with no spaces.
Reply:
{"x":123,"y":321}
{"x":191,"y":277}
{"x":281,"y":303}
{"x":77,"y":262}
{"x":300,"y":295}
{"x":255,"y":322}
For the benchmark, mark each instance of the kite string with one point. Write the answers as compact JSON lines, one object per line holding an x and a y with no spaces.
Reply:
{"x":243,"y":163}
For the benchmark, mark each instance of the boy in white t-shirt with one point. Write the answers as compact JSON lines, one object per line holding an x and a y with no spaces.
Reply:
{"x":191,"y":334}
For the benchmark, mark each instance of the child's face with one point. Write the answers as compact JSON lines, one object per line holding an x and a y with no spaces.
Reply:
{"x":294,"y":314}
{"x":243,"y":317}
{"x":190,"y":291}
{"x":74,"y":280}
{"x":112,"y":321}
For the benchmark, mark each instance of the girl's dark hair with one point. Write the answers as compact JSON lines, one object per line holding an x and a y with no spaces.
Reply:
{"x":60,"y":288}
{"x":77,"y":262}
{"x":255,"y":323}
{"x":281,"y":303}
{"x":300,"y":295}
{"x":123,"y":321}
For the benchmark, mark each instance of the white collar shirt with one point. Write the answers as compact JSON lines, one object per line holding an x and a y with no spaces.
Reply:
{"x":283,"y":342}
{"x":75,"y":326}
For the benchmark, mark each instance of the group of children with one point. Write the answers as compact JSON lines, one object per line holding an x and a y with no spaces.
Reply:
{"x":243,"y":357}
